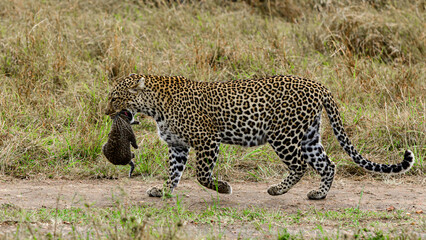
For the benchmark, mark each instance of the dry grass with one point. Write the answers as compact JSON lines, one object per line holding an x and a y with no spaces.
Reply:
{"x":58,"y":59}
{"x":391,"y":36}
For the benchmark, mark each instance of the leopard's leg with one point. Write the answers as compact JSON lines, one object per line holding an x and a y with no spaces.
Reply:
{"x":313,"y":153}
{"x":132,"y":167}
{"x":206,"y":160}
{"x":177,"y":162}
{"x":292,"y":157}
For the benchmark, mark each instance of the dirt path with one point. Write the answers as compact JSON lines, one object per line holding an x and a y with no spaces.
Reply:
{"x":370,"y":194}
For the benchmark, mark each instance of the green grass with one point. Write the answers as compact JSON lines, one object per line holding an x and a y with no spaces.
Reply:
{"x":174,"y":220}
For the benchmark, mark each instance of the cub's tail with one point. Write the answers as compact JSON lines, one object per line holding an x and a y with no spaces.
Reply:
{"x":336,"y":123}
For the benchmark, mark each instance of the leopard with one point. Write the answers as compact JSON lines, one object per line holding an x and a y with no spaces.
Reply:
{"x":117,"y":148}
{"x":283,"y":110}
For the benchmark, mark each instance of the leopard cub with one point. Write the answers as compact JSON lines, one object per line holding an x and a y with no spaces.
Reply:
{"x":117,"y":148}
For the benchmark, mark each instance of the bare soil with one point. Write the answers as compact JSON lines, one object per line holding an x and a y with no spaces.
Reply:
{"x":406,"y":194}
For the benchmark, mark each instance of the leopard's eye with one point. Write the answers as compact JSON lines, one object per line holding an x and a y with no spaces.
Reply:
{"x":114,"y":98}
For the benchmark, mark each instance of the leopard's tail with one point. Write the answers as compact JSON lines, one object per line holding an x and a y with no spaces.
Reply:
{"x":336,"y":123}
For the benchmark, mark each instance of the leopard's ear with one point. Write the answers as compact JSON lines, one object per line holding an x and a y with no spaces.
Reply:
{"x":138,"y":85}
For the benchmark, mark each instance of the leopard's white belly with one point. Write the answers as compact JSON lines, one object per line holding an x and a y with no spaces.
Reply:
{"x":169,"y":137}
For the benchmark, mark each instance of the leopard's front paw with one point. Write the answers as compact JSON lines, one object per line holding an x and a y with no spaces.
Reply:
{"x":316,"y":195}
{"x":155,"y":192}
{"x":223,"y":187}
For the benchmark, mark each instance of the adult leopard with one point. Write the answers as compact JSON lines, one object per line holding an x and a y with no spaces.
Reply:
{"x":284,"y":111}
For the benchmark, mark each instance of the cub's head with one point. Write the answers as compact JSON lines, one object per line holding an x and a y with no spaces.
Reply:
{"x":125,"y":94}
{"x":128,"y":116}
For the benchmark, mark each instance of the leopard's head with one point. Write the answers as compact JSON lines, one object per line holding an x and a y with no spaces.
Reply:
{"x":126,"y":94}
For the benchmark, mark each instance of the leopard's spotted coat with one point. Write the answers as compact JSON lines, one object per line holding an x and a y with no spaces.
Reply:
{"x":284,"y":111}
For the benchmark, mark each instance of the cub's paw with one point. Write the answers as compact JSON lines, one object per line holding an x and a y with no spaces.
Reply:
{"x":276,"y":189}
{"x":316,"y":195}
{"x":155,"y":192}
{"x":223,"y":187}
